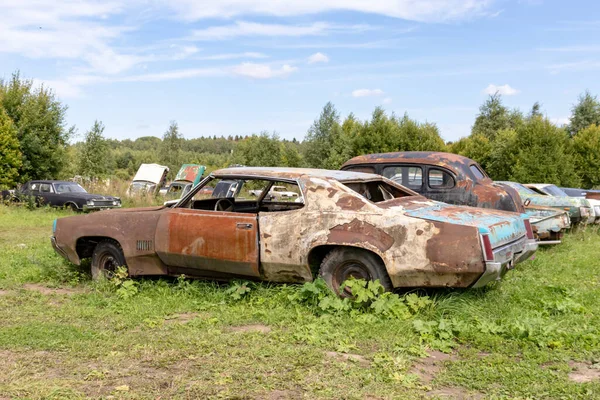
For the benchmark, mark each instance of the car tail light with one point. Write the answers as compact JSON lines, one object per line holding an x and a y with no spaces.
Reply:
{"x":528,"y":229}
{"x":487,"y":247}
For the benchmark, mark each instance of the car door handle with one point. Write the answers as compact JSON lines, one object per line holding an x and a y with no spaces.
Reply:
{"x":244,"y":226}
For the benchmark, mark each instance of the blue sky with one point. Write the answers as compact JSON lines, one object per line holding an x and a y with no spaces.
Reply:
{"x":243,"y":66}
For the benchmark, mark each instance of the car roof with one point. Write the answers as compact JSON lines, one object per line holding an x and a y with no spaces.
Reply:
{"x":293,"y":173}
{"x":49,"y":181}
{"x":453,"y":161}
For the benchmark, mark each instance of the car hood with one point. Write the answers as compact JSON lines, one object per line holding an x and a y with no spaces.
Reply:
{"x":502,"y":226}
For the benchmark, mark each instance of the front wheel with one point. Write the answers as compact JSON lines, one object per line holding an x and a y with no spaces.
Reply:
{"x":106,"y":259}
{"x":344,"y":263}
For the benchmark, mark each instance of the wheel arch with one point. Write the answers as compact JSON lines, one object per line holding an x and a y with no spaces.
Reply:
{"x":317,"y":254}
{"x":85,"y":245}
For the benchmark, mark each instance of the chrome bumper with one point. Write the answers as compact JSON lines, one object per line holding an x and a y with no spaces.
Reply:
{"x":87,"y":207}
{"x":505,"y":258}
{"x":58,"y":250}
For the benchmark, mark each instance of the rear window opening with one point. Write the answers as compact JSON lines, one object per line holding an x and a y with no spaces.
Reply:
{"x":378,"y":191}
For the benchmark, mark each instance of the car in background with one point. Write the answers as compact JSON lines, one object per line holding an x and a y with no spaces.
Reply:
{"x":277,"y":192}
{"x":188,"y":176}
{"x":549,"y":224}
{"x":547,"y":189}
{"x":587,"y":193}
{"x":148,"y":179}
{"x":348,"y":225}
{"x":64,"y":194}
{"x":580,"y":210}
{"x":439,"y":176}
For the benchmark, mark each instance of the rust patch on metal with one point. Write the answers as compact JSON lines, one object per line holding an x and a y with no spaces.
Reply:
{"x":350,"y":203}
{"x":331,"y":192}
{"x":455,"y":249}
{"x":357,"y":231}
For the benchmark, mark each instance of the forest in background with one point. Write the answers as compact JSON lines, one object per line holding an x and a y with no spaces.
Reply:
{"x":510,"y":144}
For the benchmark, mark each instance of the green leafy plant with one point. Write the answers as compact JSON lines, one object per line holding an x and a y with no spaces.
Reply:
{"x":126,"y":288}
{"x":439,"y":335}
{"x":238,"y":290}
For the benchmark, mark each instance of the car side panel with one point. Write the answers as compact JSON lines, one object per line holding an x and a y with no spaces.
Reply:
{"x":416,"y":252}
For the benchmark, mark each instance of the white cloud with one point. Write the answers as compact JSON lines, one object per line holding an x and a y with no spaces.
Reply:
{"x":416,"y":10}
{"x":318,"y":58}
{"x":72,"y":29}
{"x":175,"y":74}
{"x":262,"y":71}
{"x":504,"y":90}
{"x":184,"y":52}
{"x":386,"y":100}
{"x":367,"y":92}
{"x":243,"y":28}
{"x":232,"y":56}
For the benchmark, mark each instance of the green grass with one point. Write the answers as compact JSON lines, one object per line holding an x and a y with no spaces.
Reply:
{"x":63,"y":336}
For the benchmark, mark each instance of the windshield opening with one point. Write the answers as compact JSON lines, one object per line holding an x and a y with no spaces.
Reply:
{"x":555,"y":191}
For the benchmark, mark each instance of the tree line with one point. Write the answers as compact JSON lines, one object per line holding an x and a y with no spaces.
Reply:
{"x":509,"y":144}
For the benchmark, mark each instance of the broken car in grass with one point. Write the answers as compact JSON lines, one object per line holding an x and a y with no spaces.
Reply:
{"x":342,"y":225}
{"x":580,"y":210}
{"x":546,"y":189}
{"x":455,"y":179}
{"x":446,"y":177}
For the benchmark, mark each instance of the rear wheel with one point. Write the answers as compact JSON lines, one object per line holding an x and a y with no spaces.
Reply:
{"x":106,"y":259}
{"x":344,"y":263}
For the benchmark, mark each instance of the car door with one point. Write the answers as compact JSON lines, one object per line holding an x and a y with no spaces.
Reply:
{"x":204,"y":241}
{"x":410,"y":176}
{"x":441,"y":185}
{"x":49,"y":195}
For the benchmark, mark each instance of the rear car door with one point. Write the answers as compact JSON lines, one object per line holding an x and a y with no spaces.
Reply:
{"x":410,"y":176}
{"x":441,"y":185}
{"x":50,"y":197}
{"x":204,"y":241}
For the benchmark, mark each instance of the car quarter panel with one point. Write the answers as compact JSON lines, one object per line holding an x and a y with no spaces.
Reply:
{"x":133,"y":229}
{"x":415,"y":252}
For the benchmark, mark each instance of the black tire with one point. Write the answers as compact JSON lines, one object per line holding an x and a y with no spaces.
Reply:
{"x":71,"y":206}
{"x":107,"y":257}
{"x":343,"y":263}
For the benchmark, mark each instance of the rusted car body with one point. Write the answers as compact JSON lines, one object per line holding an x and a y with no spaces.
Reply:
{"x":580,"y":210}
{"x":416,"y":242}
{"x":188,"y":176}
{"x":549,"y":225}
{"x":547,"y":189}
{"x":445,"y":177}
{"x":148,"y":179}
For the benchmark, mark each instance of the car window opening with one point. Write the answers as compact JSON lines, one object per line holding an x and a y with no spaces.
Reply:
{"x":245,"y":196}
{"x":377,"y":191}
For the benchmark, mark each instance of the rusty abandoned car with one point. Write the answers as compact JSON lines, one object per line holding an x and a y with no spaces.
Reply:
{"x":445,"y":177}
{"x":579,"y":209}
{"x":343,"y":224}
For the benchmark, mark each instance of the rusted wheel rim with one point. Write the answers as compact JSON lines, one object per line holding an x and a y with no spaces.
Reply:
{"x":108,"y":265}
{"x":349,"y":269}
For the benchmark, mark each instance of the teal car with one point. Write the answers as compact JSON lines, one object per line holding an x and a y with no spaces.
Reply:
{"x":579,"y":209}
